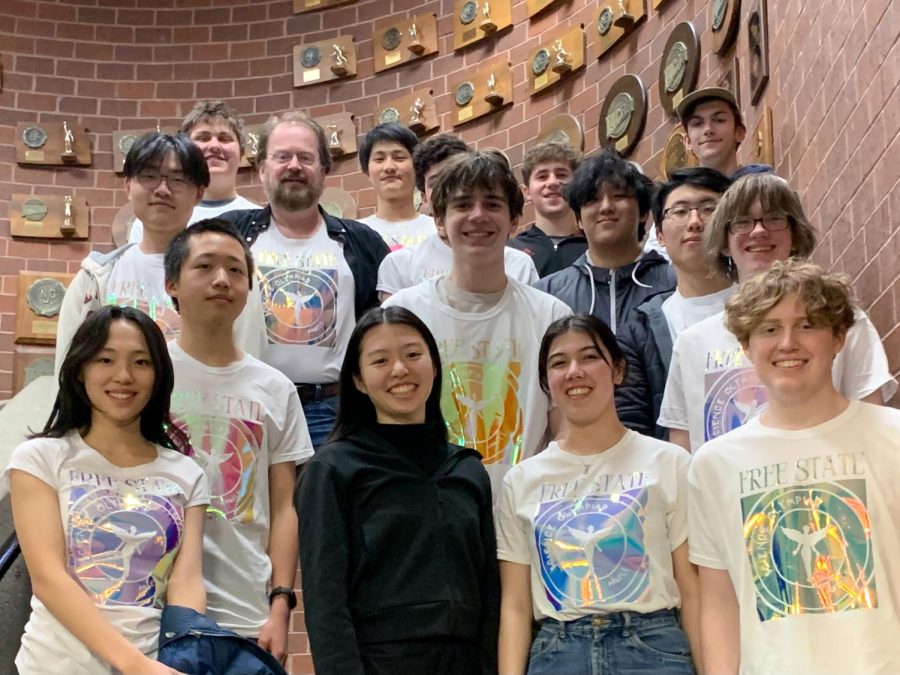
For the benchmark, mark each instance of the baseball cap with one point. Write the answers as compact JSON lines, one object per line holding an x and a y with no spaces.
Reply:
{"x":689,"y":103}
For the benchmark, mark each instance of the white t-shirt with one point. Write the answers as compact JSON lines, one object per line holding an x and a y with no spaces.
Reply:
{"x":307,"y":290}
{"x":241,"y":419}
{"x":713,"y":388}
{"x":122,"y":529}
{"x":805,"y":523}
{"x":491,"y":398}
{"x":398,"y":234}
{"x":138,"y":280}
{"x":682,"y":313}
{"x":598,"y":532}
{"x":409,"y":266}
{"x":208,"y":208}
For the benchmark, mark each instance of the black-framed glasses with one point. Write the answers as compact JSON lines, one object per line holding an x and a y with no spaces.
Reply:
{"x":150,"y":180}
{"x":771,"y":222}
{"x":680,"y":214}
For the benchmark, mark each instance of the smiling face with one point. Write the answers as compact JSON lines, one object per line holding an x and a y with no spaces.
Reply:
{"x":292,"y":173}
{"x":391,"y":171}
{"x":119,"y":379}
{"x":755,"y":251}
{"x":166,"y":207}
{"x":213,"y":283}
{"x":544,"y":188}
{"x":477,"y":225}
{"x":219,"y":143}
{"x":793,"y":355}
{"x":580,"y":378}
{"x":684,"y":239}
{"x":396,"y":373}
{"x":713,"y":133}
{"x":611,"y":219}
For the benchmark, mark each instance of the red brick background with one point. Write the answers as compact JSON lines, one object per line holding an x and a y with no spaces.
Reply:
{"x":106,"y":65}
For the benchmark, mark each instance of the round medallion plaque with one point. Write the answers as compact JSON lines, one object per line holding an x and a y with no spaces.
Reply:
{"x":540,"y":62}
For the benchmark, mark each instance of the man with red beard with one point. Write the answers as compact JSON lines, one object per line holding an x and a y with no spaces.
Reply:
{"x":317,"y":273}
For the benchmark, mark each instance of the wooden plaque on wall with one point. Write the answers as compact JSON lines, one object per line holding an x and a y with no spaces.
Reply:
{"x":535,"y":7}
{"x":340,"y":132}
{"x":398,"y":40}
{"x":758,"y":41}
{"x":543,"y":65}
{"x":45,"y":143}
{"x":724,"y":21}
{"x":40,"y":296}
{"x":49,"y":217}
{"x":471,"y":23}
{"x":301,"y":6}
{"x":404,"y":108}
{"x":623,"y":115}
{"x":762,"y":140}
{"x":338,"y":203}
{"x":483,"y":93}
{"x":251,"y":144}
{"x":679,"y":66}
{"x":325,"y":60}
{"x":30,"y":363}
{"x":603,"y":32}
{"x":731,"y":80}
{"x":675,"y":155}
{"x":563,"y":128}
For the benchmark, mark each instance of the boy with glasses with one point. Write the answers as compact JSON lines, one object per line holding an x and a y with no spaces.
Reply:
{"x":682,"y":207}
{"x":165,"y":177}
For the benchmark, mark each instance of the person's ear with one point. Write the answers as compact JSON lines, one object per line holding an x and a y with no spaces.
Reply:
{"x":360,"y":387}
{"x":740,"y":133}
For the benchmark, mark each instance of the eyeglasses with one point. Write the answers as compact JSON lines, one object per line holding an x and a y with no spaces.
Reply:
{"x":285,"y":156}
{"x":771,"y":222}
{"x":681,"y":214}
{"x":150,"y":180}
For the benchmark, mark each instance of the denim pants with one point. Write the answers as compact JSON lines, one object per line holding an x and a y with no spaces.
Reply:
{"x":320,"y":416}
{"x":623,"y":643}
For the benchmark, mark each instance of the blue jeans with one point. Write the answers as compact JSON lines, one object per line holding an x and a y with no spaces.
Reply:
{"x":320,"y":416}
{"x":624,"y":643}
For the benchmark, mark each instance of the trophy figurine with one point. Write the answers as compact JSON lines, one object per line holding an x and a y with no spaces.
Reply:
{"x":487,"y":23}
{"x":623,"y":18}
{"x":252,"y":146}
{"x":416,"y":123}
{"x":415,"y":46}
{"x":492,"y":96}
{"x":334,"y":141}
{"x":68,"y":154}
{"x":339,"y":67}
{"x":561,"y":65}
{"x":67,"y":228}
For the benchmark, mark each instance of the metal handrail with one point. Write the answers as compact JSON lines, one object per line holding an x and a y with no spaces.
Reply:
{"x":9,"y":553}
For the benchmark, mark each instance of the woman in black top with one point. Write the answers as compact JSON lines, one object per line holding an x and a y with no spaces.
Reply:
{"x":397,"y":548}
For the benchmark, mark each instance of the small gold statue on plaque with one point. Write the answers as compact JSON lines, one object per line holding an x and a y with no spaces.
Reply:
{"x":334,"y":141}
{"x":68,"y":228}
{"x":487,"y":23}
{"x":416,"y":123}
{"x":623,"y":18}
{"x":492,"y":96}
{"x":415,"y":46}
{"x":252,"y":146}
{"x":561,"y":65}
{"x":339,"y":67}
{"x":68,"y":154}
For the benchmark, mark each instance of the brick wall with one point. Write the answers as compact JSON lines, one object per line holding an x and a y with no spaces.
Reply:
{"x":107,"y":65}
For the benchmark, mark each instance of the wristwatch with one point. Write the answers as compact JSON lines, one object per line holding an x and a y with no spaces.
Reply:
{"x":284,"y":590}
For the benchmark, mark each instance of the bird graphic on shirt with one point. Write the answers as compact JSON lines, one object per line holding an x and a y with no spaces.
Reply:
{"x":300,"y":302}
{"x":806,"y":545}
{"x":749,"y":410}
{"x":473,"y":410}
{"x":131,"y":540}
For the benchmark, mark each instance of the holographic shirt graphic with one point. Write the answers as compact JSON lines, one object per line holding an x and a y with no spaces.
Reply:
{"x":733,"y":393}
{"x":123,"y":536}
{"x":153,"y":302}
{"x":300,"y":296}
{"x":481,"y":405}
{"x":810,"y":549}
{"x":592,"y":549}
{"x":226,"y":435}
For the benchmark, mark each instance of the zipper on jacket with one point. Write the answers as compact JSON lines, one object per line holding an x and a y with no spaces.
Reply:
{"x":612,"y":300}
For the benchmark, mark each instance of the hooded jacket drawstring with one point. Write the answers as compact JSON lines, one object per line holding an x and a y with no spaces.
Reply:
{"x":613,"y":321}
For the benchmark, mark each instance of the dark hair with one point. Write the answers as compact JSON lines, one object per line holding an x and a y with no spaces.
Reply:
{"x":303,"y":119}
{"x":356,"y":411}
{"x":608,"y":167}
{"x":545,"y":153}
{"x":434,"y":151}
{"x":72,"y":408}
{"x":689,"y":111}
{"x":486,"y":170}
{"x":179,"y":248}
{"x":596,"y":329}
{"x":698,"y":177}
{"x":150,"y":150}
{"x":208,"y":112}
{"x":393,"y":132}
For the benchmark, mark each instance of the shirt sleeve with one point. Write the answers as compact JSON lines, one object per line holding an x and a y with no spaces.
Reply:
{"x":390,"y":276}
{"x":250,"y":327}
{"x":512,"y":537}
{"x":704,"y":538}
{"x":673,"y":409}
{"x":200,"y":490}
{"x":82,"y":291}
{"x":34,"y":457}
{"x":677,"y":518}
{"x":865,"y":362}
{"x":292,"y":442}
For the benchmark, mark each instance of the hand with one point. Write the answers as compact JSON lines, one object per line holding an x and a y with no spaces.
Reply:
{"x":148,"y":666}
{"x":273,"y":636}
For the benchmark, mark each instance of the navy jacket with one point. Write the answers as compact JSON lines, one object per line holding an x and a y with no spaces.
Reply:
{"x":646,"y":342}
{"x":549,"y":256}
{"x":364,"y":249}
{"x":610,"y":295}
{"x":193,"y":643}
